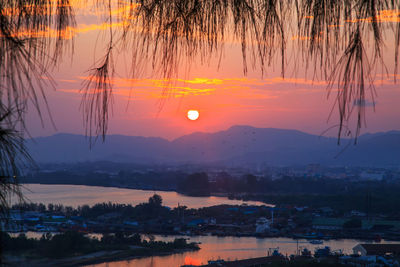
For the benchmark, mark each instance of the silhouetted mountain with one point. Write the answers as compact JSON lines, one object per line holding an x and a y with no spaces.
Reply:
{"x":238,"y":145}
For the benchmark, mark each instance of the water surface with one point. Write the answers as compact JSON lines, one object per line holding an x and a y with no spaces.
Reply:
{"x":75,"y":195}
{"x":212,"y":247}
{"x":231,"y":248}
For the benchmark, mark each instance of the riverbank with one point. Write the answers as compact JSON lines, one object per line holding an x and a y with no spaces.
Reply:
{"x":75,"y":249}
{"x":10,"y":259}
{"x":79,"y":195}
{"x":236,"y":248}
{"x":220,"y":220}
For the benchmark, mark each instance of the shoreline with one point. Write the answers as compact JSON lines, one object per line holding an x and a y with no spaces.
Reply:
{"x":294,"y":237}
{"x":98,"y":257}
{"x":212,"y":194}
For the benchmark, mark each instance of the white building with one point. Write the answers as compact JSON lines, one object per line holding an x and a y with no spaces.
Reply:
{"x":262,"y":225}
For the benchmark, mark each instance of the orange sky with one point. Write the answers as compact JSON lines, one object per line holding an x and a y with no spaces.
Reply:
{"x":223,"y":96}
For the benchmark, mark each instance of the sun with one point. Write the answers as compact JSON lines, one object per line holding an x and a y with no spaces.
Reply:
{"x":193,"y":114}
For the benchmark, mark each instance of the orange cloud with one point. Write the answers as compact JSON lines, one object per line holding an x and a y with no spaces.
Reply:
{"x":67,"y":33}
{"x":244,"y":88}
{"x":121,"y":13}
{"x":383,"y":16}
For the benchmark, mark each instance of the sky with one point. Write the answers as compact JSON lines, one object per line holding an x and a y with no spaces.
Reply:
{"x":219,"y":90}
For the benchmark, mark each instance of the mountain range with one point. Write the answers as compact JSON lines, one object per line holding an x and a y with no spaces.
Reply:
{"x":238,"y":145}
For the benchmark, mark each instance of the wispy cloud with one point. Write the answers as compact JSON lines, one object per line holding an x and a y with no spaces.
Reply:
{"x":241,"y":87}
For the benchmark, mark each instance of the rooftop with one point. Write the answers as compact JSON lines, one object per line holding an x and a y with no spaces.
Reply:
{"x":380,"y":249}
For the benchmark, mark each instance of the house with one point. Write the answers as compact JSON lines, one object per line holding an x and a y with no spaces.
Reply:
{"x":249,"y":210}
{"x":357,"y":213}
{"x":262,"y":225}
{"x":211,"y":221}
{"x":196,"y":223}
{"x":365,"y":261}
{"x":328,"y":223}
{"x":376,"y":249}
{"x":55,"y":220}
{"x":262,"y":261}
{"x":326,"y":210}
{"x":32,"y":217}
{"x":131,"y":223}
{"x":15,"y":216}
{"x":300,"y":209}
{"x":372,"y":176}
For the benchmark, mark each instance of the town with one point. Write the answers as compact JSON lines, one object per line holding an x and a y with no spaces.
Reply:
{"x":312,"y":204}
{"x":223,"y":220}
{"x":152,"y":218}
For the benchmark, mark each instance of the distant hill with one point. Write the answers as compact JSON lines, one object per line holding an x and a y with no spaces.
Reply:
{"x":239,"y":145}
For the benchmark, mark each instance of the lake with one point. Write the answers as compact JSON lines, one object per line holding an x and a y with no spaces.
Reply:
{"x":76,"y":195}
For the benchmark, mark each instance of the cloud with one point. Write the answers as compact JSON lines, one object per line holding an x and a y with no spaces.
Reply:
{"x":67,"y":33}
{"x":389,"y":15}
{"x":242,"y":88}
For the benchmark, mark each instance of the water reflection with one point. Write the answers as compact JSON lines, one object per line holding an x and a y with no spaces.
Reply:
{"x":231,"y":248}
{"x":227,"y":248}
{"x":212,"y":247}
{"x":75,"y":195}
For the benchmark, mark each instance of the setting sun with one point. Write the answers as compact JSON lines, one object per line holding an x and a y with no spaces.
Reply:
{"x":193,"y":115}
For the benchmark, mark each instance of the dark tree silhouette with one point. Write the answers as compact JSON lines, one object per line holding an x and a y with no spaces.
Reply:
{"x":27,"y":52}
{"x":13,"y":158}
{"x":342,"y":41}
{"x":195,"y":184}
{"x":155,"y":200}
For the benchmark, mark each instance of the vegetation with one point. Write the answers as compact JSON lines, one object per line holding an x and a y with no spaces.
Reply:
{"x":340,"y":194}
{"x":13,"y":157}
{"x":343,"y":38}
{"x":195,"y":184}
{"x":352,"y":224}
{"x":73,"y":243}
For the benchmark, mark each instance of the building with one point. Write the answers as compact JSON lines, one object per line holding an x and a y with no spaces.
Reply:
{"x":358,"y":213}
{"x":376,"y":249}
{"x":364,"y":261}
{"x":328,"y":223}
{"x":372,"y":176}
{"x":263,"y":225}
{"x":254,"y":262}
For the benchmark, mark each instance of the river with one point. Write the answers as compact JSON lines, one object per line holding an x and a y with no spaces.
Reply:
{"x":212,"y":247}
{"x":227,"y":248}
{"x":232,"y":248}
{"x":76,"y":195}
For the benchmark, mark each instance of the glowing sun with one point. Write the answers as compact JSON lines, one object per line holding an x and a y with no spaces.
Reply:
{"x":193,"y":114}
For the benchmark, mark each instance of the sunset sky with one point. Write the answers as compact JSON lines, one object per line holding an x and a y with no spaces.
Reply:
{"x":223,"y":95}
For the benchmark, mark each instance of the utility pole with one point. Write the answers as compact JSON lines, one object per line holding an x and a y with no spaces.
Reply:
{"x":272,"y":216}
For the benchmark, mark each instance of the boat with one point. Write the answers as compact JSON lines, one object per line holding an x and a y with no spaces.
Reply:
{"x":377,"y":238}
{"x":309,"y":236}
{"x":306,"y":253}
{"x":316,"y":242}
{"x":274,"y":252}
